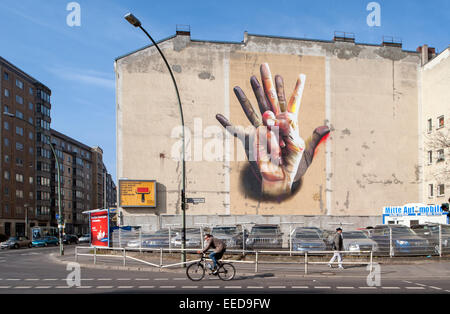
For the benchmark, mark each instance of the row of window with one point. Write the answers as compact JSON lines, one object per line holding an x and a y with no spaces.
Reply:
{"x":19,"y":130}
{"x":440,"y":190}
{"x":71,"y":148}
{"x":19,"y":83}
{"x":19,"y":114}
{"x":440,"y":124}
{"x":40,"y":210}
{"x":19,"y":146}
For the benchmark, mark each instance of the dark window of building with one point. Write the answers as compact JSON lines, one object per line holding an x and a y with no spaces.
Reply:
{"x":6,"y":76}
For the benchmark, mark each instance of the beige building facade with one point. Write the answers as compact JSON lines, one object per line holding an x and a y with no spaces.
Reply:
{"x":368,"y":96}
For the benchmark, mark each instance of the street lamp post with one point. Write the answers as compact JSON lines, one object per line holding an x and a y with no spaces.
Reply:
{"x":136,"y":23}
{"x":60,"y":219}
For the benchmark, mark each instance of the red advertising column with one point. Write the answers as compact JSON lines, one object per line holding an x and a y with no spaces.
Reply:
{"x":100,"y":228}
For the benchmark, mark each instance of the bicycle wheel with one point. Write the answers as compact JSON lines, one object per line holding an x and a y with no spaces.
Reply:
{"x":226,"y":271}
{"x":195,"y":272}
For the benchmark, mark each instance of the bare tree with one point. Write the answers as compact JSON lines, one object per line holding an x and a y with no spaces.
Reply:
{"x":439,"y":143}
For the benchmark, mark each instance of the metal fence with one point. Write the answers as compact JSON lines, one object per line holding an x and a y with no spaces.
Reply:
{"x":386,"y":243}
{"x":253,"y":257}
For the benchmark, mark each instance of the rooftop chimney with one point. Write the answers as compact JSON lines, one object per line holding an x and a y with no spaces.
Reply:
{"x":183,"y":30}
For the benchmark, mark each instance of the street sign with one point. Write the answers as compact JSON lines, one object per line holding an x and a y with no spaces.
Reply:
{"x":196,"y":200}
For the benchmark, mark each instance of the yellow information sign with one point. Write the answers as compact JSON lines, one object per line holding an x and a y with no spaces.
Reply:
{"x":137,"y":193}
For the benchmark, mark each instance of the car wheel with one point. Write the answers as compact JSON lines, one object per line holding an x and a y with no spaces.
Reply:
{"x":29,"y":245}
{"x":45,"y":244}
{"x":16,"y":246}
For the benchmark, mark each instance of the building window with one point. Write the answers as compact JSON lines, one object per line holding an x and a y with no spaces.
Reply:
{"x":6,"y":92}
{"x":30,"y":120}
{"x":19,"y":99}
{"x":19,"y":177}
{"x":430,"y":125}
{"x":19,"y":146}
{"x":6,"y":141}
{"x":441,"y":156}
{"x":7,"y":158}
{"x":19,"y":193}
{"x":19,"y":131}
{"x":6,"y":76}
{"x":6,"y":175}
{"x":430,"y":190}
{"x":30,"y":90}
{"x":6,"y":125}
{"x":441,"y":122}
{"x":19,"y":162}
{"x":31,"y":180}
{"x":19,"y":83}
{"x":19,"y":114}
{"x":30,"y":106}
{"x":441,"y":190}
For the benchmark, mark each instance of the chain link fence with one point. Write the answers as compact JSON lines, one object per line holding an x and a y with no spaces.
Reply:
{"x":384,"y":240}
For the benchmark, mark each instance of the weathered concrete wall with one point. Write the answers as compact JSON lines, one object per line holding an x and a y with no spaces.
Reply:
{"x":367,"y":95}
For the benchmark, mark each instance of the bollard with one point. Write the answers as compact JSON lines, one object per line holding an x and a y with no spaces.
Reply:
{"x":124,"y":257}
{"x":95,"y":255}
{"x":76,"y":255}
{"x":256,"y":262}
{"x":160,"y":257}
{"x":306,"y":262}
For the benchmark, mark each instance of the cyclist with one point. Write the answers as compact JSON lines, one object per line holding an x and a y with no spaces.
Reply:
{"x":219,"y":247}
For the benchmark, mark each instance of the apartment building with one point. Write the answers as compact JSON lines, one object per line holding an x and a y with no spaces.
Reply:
{"x":25,"y":171}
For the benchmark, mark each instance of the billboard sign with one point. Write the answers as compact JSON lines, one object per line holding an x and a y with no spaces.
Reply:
{"x":137,"y":193}
{"x":99,"y":223}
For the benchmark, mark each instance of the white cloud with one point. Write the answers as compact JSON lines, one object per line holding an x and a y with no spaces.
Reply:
{"x":89,"y":77}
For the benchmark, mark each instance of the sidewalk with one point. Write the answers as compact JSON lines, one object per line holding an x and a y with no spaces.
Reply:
{"x":397,"y":267}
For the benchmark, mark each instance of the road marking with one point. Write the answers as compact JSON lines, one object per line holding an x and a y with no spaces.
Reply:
{"x":146,"y":287}
{"x":125,"y":287}
{"x":32,"y":279}
{"x":255,"y":287}
{"x":84,"y":287}
{"x":179,"y":278}
{"x":211,"y":287}
{"x":367,"y":287}
{"x":415,"y":288}
{"x":22,"y":287}
{"x":300,"y":287}
{"x":420,"y":284}
{"x":436,"y":288}
{"x":392,"y":288}
{"x":345,"y":287}
{"x":12,"y":279}
{"x":233,"y":287}
{"x":105,"y":287}
{"x":87,"y":279}
{"x":50,"y":279}
{"x":62,"y":287}
{"x":277,"y":287}
{"x":166,"y":287}
{"x":104,"y":279}
{"x":322,"y":287}
{"x":160,"y":279}
{"x":189,"y":287}
{"x":42,"y":287}
{"x":5,"y":287}
{"x":141,"y":279}
{"x":124,"y":279}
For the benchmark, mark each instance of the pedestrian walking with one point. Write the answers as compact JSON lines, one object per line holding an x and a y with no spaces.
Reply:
{"x":338,"y":246}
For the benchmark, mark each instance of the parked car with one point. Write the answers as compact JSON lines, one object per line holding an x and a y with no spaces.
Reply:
{"x":265,"y":237}
{"x":193,"y":238}
{"x":70,"y":239}
{"x":307,"y":239}
{"x":404,"y":241}
{"x":431,"y":233}
{"x":357,"y":241}
{"x":161,"y":238}
{"x":86,"y":238}
{"x":16,"y":243}
{"x":318,"y":230}
{"x":46,"y":241}
{"x":232,"y":235}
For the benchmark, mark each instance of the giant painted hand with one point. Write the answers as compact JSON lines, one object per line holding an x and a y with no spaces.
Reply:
{"x":274,"y":147}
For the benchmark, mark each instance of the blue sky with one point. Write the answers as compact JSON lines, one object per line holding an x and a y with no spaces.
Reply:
{"x":77,"y":63}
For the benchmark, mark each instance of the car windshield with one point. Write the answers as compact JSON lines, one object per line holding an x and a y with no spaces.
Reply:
{"x":354,"y":235}
{"x":12,"y":239}
{"x":307,"y":235}
{"x":224,"y":230}
{"x":264,"y":230}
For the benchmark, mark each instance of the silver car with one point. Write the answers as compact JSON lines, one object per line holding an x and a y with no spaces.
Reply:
{"x":357,"y":241}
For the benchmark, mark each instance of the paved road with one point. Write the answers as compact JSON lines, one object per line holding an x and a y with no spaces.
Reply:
{"x":37,"y":271}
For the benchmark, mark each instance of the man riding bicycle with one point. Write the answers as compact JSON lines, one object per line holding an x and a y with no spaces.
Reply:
{"x":219,"y":247}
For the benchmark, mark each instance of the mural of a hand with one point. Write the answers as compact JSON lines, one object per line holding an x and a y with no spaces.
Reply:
{"x":274,"y":147}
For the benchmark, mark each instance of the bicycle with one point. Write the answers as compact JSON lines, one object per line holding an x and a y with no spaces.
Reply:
{"x":196,"y":271}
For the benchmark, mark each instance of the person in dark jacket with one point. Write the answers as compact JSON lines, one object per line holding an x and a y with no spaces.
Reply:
{"x":338,"y":245}
{"x":219,"y":247}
